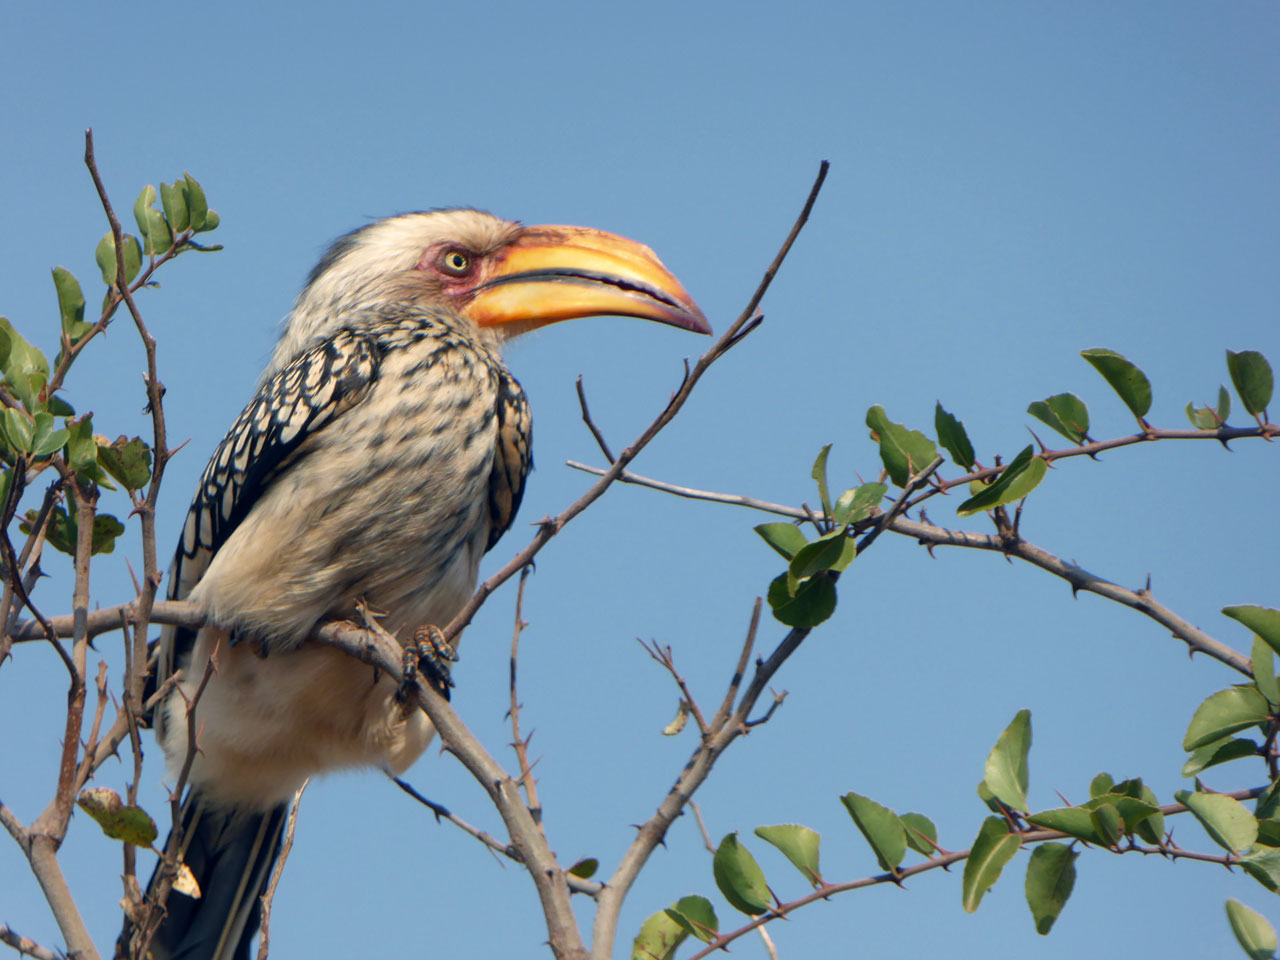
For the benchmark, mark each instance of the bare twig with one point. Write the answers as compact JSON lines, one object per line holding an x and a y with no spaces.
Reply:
{"x":25,"y":946}
{"x":441,"y":812}
{"x":663,"y":656}
{"x":519,"y":743}
{"x":264,"y":936}
{"x":731,"y":694}
{"x":1080,"y":579}
{"x":591,"y":424}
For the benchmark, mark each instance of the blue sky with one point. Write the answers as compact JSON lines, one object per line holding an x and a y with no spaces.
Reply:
{"x":1011,"y":183}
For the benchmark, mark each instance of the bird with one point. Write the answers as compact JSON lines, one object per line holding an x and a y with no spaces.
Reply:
{"x":384,"y":452}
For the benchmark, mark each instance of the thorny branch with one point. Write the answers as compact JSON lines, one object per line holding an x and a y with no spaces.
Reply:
{"x":1167,"y":849}
{"x":931,"y":535}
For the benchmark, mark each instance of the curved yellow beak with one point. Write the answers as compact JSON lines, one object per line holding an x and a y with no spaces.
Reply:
{"x":552,"y":273}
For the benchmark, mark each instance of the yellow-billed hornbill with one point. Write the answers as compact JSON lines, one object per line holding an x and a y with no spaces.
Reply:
{"x":385,"y":451}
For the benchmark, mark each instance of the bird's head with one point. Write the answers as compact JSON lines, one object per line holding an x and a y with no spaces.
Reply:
{"x":503,"y":277}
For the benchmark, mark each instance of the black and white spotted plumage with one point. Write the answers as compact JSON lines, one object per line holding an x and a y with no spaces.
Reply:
{"x":281,"y":426}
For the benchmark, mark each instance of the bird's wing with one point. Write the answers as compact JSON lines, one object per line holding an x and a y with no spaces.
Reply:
{"x":265,"y":439}
{"x":512,"y":460}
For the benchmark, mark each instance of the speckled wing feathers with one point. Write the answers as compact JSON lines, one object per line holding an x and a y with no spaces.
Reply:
{"x":512,"y":460}
{"x":291,"y":406}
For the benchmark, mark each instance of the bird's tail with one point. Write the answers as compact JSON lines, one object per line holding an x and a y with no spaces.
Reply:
{"x":230,"y":854}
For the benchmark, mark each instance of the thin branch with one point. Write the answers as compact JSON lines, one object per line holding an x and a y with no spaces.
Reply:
{"x":591,"y":424}
{"x":441,"y":812}
{"x":883,"y":520}
{"x":519,"y":743}
{"x":731,"y":694}
{"x":663,"y":656}
{"x":1080,"y":579}
{"x":25,"y":946}
{"x":264,"y":936}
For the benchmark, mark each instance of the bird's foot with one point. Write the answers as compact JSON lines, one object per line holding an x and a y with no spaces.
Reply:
{"x":429,"y":655}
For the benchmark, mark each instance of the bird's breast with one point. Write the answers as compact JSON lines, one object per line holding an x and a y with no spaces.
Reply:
{"x":387,"y":503}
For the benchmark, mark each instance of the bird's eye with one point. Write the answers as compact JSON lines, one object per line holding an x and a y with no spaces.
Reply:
{"x":455,"y":262}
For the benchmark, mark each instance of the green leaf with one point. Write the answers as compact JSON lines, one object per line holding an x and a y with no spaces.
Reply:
{"x":1268,"y":804}
{"x":696,"y":916}
{"x":1006,"y":773}
{"x":786,"y":538}
{"x":173,"y":199}
{"x":922,"y":835}
{"x":989,"y":798}
{"x":18,"y":430}
{"x":1251,"y":375}
{"x":129,"y":823}
{"x":1151,"y":829}
{"x":1133,"y":811}
{"x":585,"y":868}
{"x":128,"y":460}
{"x":1126,"y":379}
{"x":45,"y":438}
{"x":826,"y":553}
{"x":157,"y":237}
{"x":197,"y":205}
{"x":1256,"y":936}
{"x":881,"y":828}
{"x":70,"y":304}
{"x":1219,"y":751}
{"x":856,"y":503}
{"x":798,"y":844}
{"x":1019,"y":478}
{"x":1051,"y":875}
{"x":904,"y":452}
{"x":1263,"y":621}
{"x":141,"y":208}
{"x":1073,"y":821}
{"x":952,"y":436}
{"x":1263,"y":864}
{"x":60,"y":408}
{"x":739,"y":877}
{"x":1225,"y":712}
{"x":1064,"y":412}
{"x":1264,"y":670}
{"x":82,"y":449}
{"x":1227,"y":821}
{"x":1269,"y":833}
{"x":658,"y":939}
{"x":1101,"y":784}
{"x":25,"y":367}
{"x":61,"y":532}
{"x":1209,"y":418}
{"x":994,"y":847}
{"x":819,"y":474}
{"x":813,"y":603}
{"x":211,"y":222}
{"x":1107,"y":822}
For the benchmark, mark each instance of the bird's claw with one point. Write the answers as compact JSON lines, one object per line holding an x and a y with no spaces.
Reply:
{"x":429,"y":655}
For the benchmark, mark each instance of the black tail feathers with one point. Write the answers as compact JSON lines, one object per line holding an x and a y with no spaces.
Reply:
{"x":230,"y":853}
